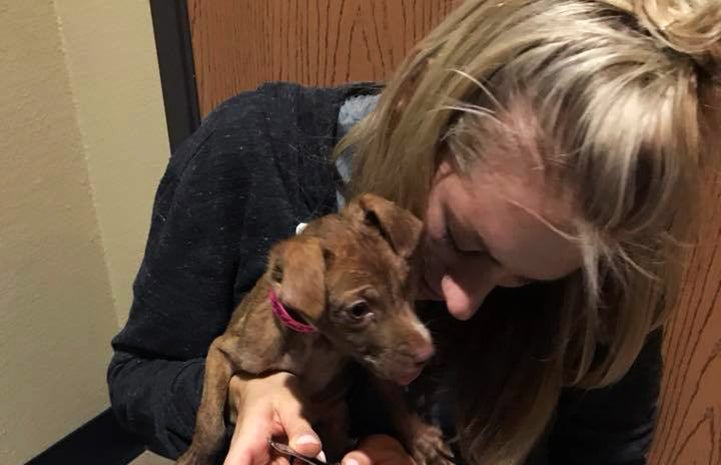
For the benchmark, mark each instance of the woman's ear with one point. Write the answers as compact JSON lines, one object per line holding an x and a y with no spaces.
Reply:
{"x":398,"y":226}
{"x":297,"y":273}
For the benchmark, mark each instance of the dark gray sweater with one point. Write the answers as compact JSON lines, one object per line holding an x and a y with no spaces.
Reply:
{"x":259,"y":165}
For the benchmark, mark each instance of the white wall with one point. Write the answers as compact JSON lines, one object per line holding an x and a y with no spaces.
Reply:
{"x":82,"y":146}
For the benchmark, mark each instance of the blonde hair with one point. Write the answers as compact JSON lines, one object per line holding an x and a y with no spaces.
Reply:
{"x":616,"y":93}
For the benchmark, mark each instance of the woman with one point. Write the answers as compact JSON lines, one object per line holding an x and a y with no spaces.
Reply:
{"x":551,"y":148}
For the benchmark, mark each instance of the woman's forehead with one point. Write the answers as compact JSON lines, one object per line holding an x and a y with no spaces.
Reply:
{"x":526,"y":226}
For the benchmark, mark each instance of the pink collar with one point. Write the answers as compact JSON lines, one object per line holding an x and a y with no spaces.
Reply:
{"x":285,"y":317}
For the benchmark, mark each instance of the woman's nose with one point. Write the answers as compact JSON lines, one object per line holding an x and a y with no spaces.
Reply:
{"x":465,"y":289}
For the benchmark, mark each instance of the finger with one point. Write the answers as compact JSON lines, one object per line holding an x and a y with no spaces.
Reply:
{"x":304,"y":440}
{"x":242,"y":452}
{"x":249,"y":445}
{"x":320,"y":457}
{"x":357,"y":457}
{"x":301,"y":436}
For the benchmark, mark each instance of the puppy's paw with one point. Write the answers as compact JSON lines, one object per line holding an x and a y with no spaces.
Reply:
{"x":194,"y":457}
{"x":429,"y":448}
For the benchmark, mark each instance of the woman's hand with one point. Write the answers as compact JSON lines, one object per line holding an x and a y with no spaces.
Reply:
{"x":267,"y":407}
{"x":378,"y":450}
{"x":271,"y":407}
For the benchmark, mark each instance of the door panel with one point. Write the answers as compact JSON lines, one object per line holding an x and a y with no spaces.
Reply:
{"x":689,"y":426}
{"x":238,"y":44}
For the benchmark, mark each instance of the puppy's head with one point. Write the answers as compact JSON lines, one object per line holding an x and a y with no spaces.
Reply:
{"x":351,"y":276}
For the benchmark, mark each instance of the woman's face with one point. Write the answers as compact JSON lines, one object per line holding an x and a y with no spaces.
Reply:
{"x":486,"y":230}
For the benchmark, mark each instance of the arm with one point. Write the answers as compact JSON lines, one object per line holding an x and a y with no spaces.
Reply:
{"x":613,"y":425}
{"x":183,"y":292}
{"x":156,"y":399}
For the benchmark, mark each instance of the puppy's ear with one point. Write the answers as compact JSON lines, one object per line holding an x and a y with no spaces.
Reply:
{"x":297,"y":274}
{"x":398,"y":226}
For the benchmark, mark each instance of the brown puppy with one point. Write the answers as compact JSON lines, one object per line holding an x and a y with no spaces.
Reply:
{"x":341,"y":290}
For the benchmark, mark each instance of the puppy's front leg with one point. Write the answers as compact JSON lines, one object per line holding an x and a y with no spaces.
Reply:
{"x":209,"y":424}
{"x":423,"y":441}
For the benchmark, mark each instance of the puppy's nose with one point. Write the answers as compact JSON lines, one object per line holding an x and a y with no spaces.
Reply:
{"x":424,"y":352}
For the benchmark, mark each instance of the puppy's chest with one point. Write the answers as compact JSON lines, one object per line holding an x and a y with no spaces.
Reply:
{"x":314,"y":360}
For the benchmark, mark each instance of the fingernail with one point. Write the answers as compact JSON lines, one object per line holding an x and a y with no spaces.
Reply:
{"x":306,"y":439}
{"x":321,"y":456}
{"x":350,"y":462}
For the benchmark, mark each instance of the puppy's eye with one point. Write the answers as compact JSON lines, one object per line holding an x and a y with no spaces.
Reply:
{"x":359,"y":310}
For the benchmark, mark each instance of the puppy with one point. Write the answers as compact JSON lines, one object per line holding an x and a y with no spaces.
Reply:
{"x":341,"y":291}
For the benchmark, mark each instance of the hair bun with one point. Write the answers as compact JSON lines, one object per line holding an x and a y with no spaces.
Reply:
{"x":692,"y":27}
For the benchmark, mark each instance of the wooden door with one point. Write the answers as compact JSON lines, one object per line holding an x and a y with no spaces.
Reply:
{"x":237,"y":44}
{"x":689,"y":424}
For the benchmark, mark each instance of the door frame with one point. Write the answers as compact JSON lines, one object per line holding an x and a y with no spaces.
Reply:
{"x":174,"y":48}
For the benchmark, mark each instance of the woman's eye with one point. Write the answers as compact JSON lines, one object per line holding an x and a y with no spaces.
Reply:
{"x":448,"y":239}
{"x":359,"y":310}
{"x":451,"y":241}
